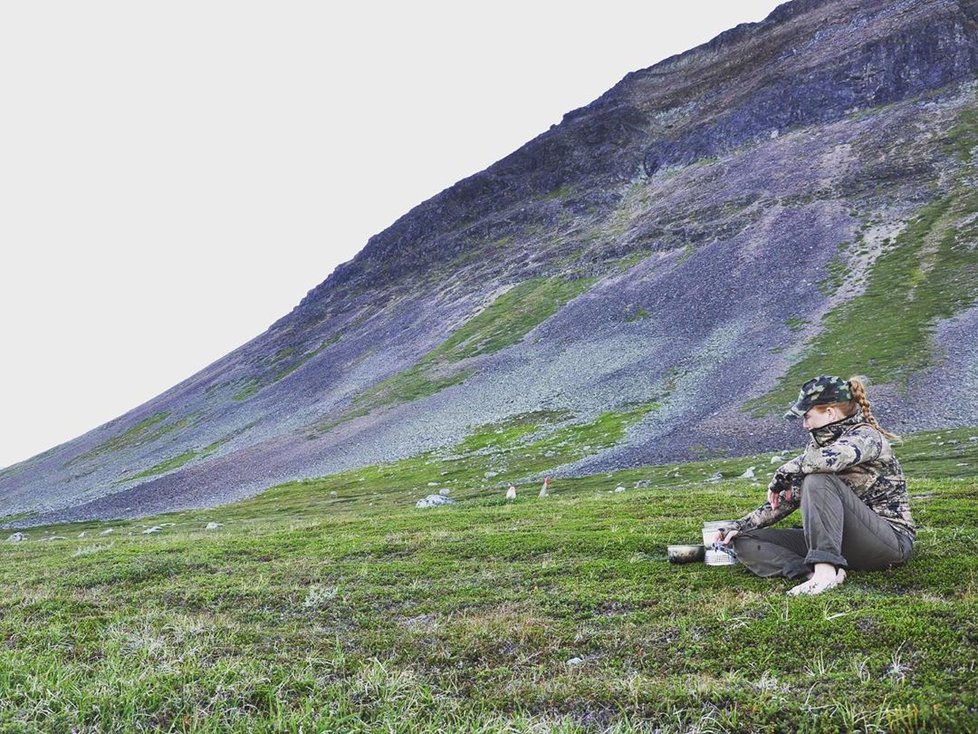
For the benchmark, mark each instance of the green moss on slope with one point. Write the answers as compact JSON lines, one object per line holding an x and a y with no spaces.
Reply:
{"x":503,"y":323}
{"x":279,"y":371}
{"x":143,"y":433}
{"x":929,"y":273}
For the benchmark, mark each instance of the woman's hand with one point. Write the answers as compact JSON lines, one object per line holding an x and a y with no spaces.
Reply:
{"x":725,"y":535}
{"x":774,"y":498}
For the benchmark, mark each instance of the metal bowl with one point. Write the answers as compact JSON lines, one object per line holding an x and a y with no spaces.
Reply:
{"x":685,"y":553}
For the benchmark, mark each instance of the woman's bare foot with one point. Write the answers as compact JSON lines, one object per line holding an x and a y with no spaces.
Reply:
{"x":819,"y":582}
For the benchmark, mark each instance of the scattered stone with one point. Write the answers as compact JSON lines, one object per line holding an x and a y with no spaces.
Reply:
{"x":432,"y":484}
{"x":433,"y":500}
{"x":491,"y":474}
{"x":573,"y":662}
{"x":444,"y":491}
{"x":83,"y":533}
{"x":107,"y":531}
{"x":715,"y":477}
{"x":749,"y":474}
{"x":962,"y":464}
{"x":642,"y":484}
{"x":511,"y":492}
{"x":973,"y":438}
{"x":17,"y":538}
{"x":214,"y":525}
{"x":777,"y":459}
{"x":150,"y":531}
{"x":333,"y":493}
{"x":56,"y":537}
{"x":620,"y":488}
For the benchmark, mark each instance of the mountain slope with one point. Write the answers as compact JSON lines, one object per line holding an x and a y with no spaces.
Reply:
{"x":791,"y":198}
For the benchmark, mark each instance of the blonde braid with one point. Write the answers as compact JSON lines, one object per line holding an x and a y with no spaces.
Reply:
{"x":857,"y":386}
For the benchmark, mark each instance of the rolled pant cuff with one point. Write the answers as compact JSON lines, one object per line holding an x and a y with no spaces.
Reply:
{"x":820,"y":556}
{"x":796,"y":569}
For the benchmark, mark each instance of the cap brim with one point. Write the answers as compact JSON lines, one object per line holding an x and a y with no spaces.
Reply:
{"x":794,"y":412}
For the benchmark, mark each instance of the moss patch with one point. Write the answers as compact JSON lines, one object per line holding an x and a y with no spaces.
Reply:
{"x":282,"y":364}
{"x":930,"y":272}
{"x":143,"y":433}
{"x":503,"y":323}
{"x":175,"y":462}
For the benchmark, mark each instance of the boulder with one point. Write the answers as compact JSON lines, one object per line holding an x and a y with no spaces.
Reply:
{"x":433,"y":500}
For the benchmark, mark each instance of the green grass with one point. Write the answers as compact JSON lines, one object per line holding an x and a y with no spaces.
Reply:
{"x":335,"y":605}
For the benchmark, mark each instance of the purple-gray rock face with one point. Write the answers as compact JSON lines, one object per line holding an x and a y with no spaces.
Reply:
{"x":723,"y":206}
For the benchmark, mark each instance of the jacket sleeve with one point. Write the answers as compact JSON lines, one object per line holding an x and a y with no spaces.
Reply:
{"x":863,"y":444}
{"x":787,"y":483}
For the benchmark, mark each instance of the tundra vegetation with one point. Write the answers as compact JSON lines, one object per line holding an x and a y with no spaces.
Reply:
{"x":334,"y":605}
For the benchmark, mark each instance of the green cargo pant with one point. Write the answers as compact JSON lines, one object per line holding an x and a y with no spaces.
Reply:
{"x":838,"y":528}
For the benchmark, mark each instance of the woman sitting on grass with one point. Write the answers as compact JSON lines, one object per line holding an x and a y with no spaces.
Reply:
{"x":855,"y":509}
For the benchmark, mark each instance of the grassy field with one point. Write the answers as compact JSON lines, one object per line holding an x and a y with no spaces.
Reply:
{"x":335,"y":605}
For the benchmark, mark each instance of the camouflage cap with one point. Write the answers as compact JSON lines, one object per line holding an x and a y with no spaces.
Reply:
{"x":820,"y":390}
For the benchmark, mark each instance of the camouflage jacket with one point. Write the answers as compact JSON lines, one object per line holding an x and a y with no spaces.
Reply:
{"x":863,"y":459}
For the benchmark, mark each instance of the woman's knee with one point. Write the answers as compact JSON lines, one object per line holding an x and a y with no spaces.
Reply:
{"x":819,"y":482}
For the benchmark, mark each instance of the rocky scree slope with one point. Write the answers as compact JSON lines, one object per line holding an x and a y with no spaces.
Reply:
{"x":795,"y":196}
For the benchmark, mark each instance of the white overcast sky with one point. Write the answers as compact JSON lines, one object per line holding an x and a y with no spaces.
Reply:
{"x":175,"y":176}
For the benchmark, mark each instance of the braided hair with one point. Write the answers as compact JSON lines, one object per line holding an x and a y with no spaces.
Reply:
{"x":857,"y":386}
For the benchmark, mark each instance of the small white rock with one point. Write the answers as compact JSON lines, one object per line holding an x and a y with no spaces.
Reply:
{"x":17,"y":538}
{"x":433,"y":500}
{"x":154,"y":529}
{"x":749,"y":474}
{"x":620,"y":488}
{"x":214,"y":525}
{"x":107,"y":531}
{"x":83,"y":533}
{"x":444,"y":491}
{"x":575,"y":661}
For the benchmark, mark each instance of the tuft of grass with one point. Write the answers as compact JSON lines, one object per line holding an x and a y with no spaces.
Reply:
{"x":838,"y":270}
{"x":638,"y":314}
{"x":796,"y":323}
